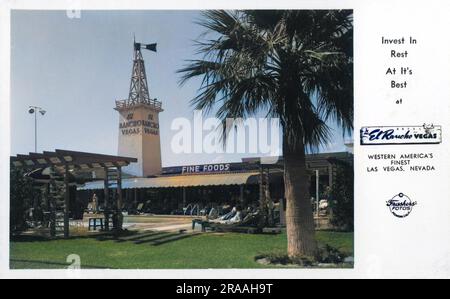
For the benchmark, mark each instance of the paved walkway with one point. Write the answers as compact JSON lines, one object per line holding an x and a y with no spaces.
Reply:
{"x":167,"y":223}
{"x":158,"y":223}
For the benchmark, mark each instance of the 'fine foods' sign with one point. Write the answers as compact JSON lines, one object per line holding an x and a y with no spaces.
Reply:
{"x":426,"y":134}
{"x":206,"y":168}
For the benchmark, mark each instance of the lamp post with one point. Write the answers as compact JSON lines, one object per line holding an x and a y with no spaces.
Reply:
{"x":33,"y":110}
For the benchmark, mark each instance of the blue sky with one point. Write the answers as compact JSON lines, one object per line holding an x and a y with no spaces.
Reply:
{"x":75,"y":68}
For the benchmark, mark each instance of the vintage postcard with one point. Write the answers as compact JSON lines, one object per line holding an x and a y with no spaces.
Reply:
{"x":223,"y":140}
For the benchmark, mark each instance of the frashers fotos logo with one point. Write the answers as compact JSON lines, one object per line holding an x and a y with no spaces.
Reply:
{"x":426,"y":134}
{"x":401,"y":205}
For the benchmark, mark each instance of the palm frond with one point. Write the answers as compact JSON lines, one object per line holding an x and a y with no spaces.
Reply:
{"x":278,"y":62}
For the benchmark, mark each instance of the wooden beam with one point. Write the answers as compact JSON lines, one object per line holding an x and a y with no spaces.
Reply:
{"x":41,"y":159}
{"x":63,"y":157}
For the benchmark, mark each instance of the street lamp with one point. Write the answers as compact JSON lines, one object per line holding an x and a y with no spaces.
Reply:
{"x":33,"y":110}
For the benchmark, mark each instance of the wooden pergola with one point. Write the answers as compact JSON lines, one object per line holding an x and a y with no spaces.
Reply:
{"x":67,"y":163}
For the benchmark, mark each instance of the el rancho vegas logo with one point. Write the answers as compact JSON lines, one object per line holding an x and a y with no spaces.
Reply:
{"x":401,"y":205}
{"x":426,"y":134}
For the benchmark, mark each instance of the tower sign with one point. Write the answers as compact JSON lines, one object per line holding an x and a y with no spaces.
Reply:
{"x":139,"y":121}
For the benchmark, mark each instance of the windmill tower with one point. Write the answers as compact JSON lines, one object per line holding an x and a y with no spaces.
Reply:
{"x":139,"y":121}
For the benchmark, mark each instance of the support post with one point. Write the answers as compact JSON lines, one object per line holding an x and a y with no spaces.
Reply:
{"x":241,"y":195}
{"x":262,"y":194}
{"x":51,"y":210}
{"x":35,"y":130}
{"x":119,"y":199}
{"x":135,"y":198}
{"x":330,"y":175}
{"x":66,"y":201}
{"x":268,"y":199}
{"x":317,"y":194}
{"x":261,"y":186}
{"x":106,"y":192}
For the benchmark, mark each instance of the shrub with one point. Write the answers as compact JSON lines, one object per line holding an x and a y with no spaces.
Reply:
{"x":21,"y":199}
{"x":325,"y":254}
{"x":341,"y":198}
{"x":328,"y":254}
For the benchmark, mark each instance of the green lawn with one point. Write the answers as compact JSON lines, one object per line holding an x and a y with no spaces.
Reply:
{"x":211,"y":250}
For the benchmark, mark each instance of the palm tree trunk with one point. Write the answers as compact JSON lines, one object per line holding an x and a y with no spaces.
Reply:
{"x":299,"y":216}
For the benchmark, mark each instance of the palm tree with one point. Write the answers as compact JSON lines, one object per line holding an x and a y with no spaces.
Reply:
{"x":294,"y":65}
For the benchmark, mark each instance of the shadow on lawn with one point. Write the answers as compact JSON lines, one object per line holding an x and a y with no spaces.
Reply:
{"x":39,"y":238}
{"x":154,"y":238}
{"x":65,"y":265}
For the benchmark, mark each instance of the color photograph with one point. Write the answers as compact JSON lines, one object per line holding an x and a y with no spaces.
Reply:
{"x":181,"y":139}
